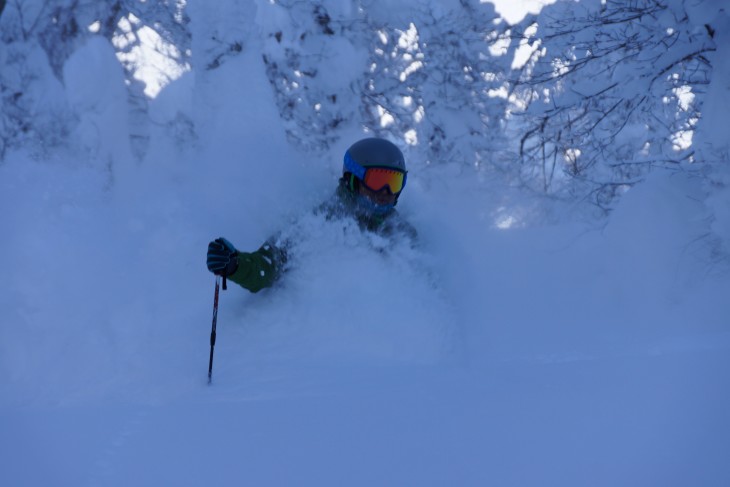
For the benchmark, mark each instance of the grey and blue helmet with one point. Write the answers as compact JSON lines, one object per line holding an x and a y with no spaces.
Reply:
{"x":375,"y":152}
{"x":374,"y":158}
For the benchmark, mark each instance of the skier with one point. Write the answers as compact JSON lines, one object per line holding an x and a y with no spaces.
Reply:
{"x":373,"y":177}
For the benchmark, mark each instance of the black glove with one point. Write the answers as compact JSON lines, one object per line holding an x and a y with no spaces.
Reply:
{"x":222,"y":257}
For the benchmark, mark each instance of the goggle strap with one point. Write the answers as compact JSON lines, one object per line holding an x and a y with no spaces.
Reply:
{"x":354,"y":167}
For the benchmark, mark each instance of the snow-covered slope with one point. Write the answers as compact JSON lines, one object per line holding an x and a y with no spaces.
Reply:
{"x":542,"y":355}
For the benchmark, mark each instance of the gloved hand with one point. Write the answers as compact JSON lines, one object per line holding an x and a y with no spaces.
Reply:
{"x":222,"y":257}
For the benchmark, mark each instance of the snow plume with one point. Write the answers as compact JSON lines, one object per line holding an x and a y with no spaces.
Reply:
{"x":343,"y":301}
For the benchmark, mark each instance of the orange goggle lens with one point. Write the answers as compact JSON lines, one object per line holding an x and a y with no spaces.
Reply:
{"x":378,"y":178}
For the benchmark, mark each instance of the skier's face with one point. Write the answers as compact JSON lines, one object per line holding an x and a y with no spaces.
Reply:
{"x":382,"y":197}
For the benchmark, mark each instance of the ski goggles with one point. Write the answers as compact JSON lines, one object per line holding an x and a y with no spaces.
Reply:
{"x":376,"y":178}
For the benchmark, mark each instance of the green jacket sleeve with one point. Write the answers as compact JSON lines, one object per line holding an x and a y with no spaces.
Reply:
{"x":260,"y":269}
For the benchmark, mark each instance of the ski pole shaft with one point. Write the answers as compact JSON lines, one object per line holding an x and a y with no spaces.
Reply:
{"x":212,"y":332}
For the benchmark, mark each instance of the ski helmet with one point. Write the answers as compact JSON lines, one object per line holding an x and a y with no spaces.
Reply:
{"x":375,"y":152}
{"x":372,"y":153}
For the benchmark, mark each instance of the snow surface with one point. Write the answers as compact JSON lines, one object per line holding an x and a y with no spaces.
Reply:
{"x":536,"y":356}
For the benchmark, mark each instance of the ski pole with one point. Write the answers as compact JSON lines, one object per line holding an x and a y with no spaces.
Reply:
{"x":212,"y":332}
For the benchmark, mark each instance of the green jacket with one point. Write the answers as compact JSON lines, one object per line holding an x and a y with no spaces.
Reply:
{"x":260,"y":269}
